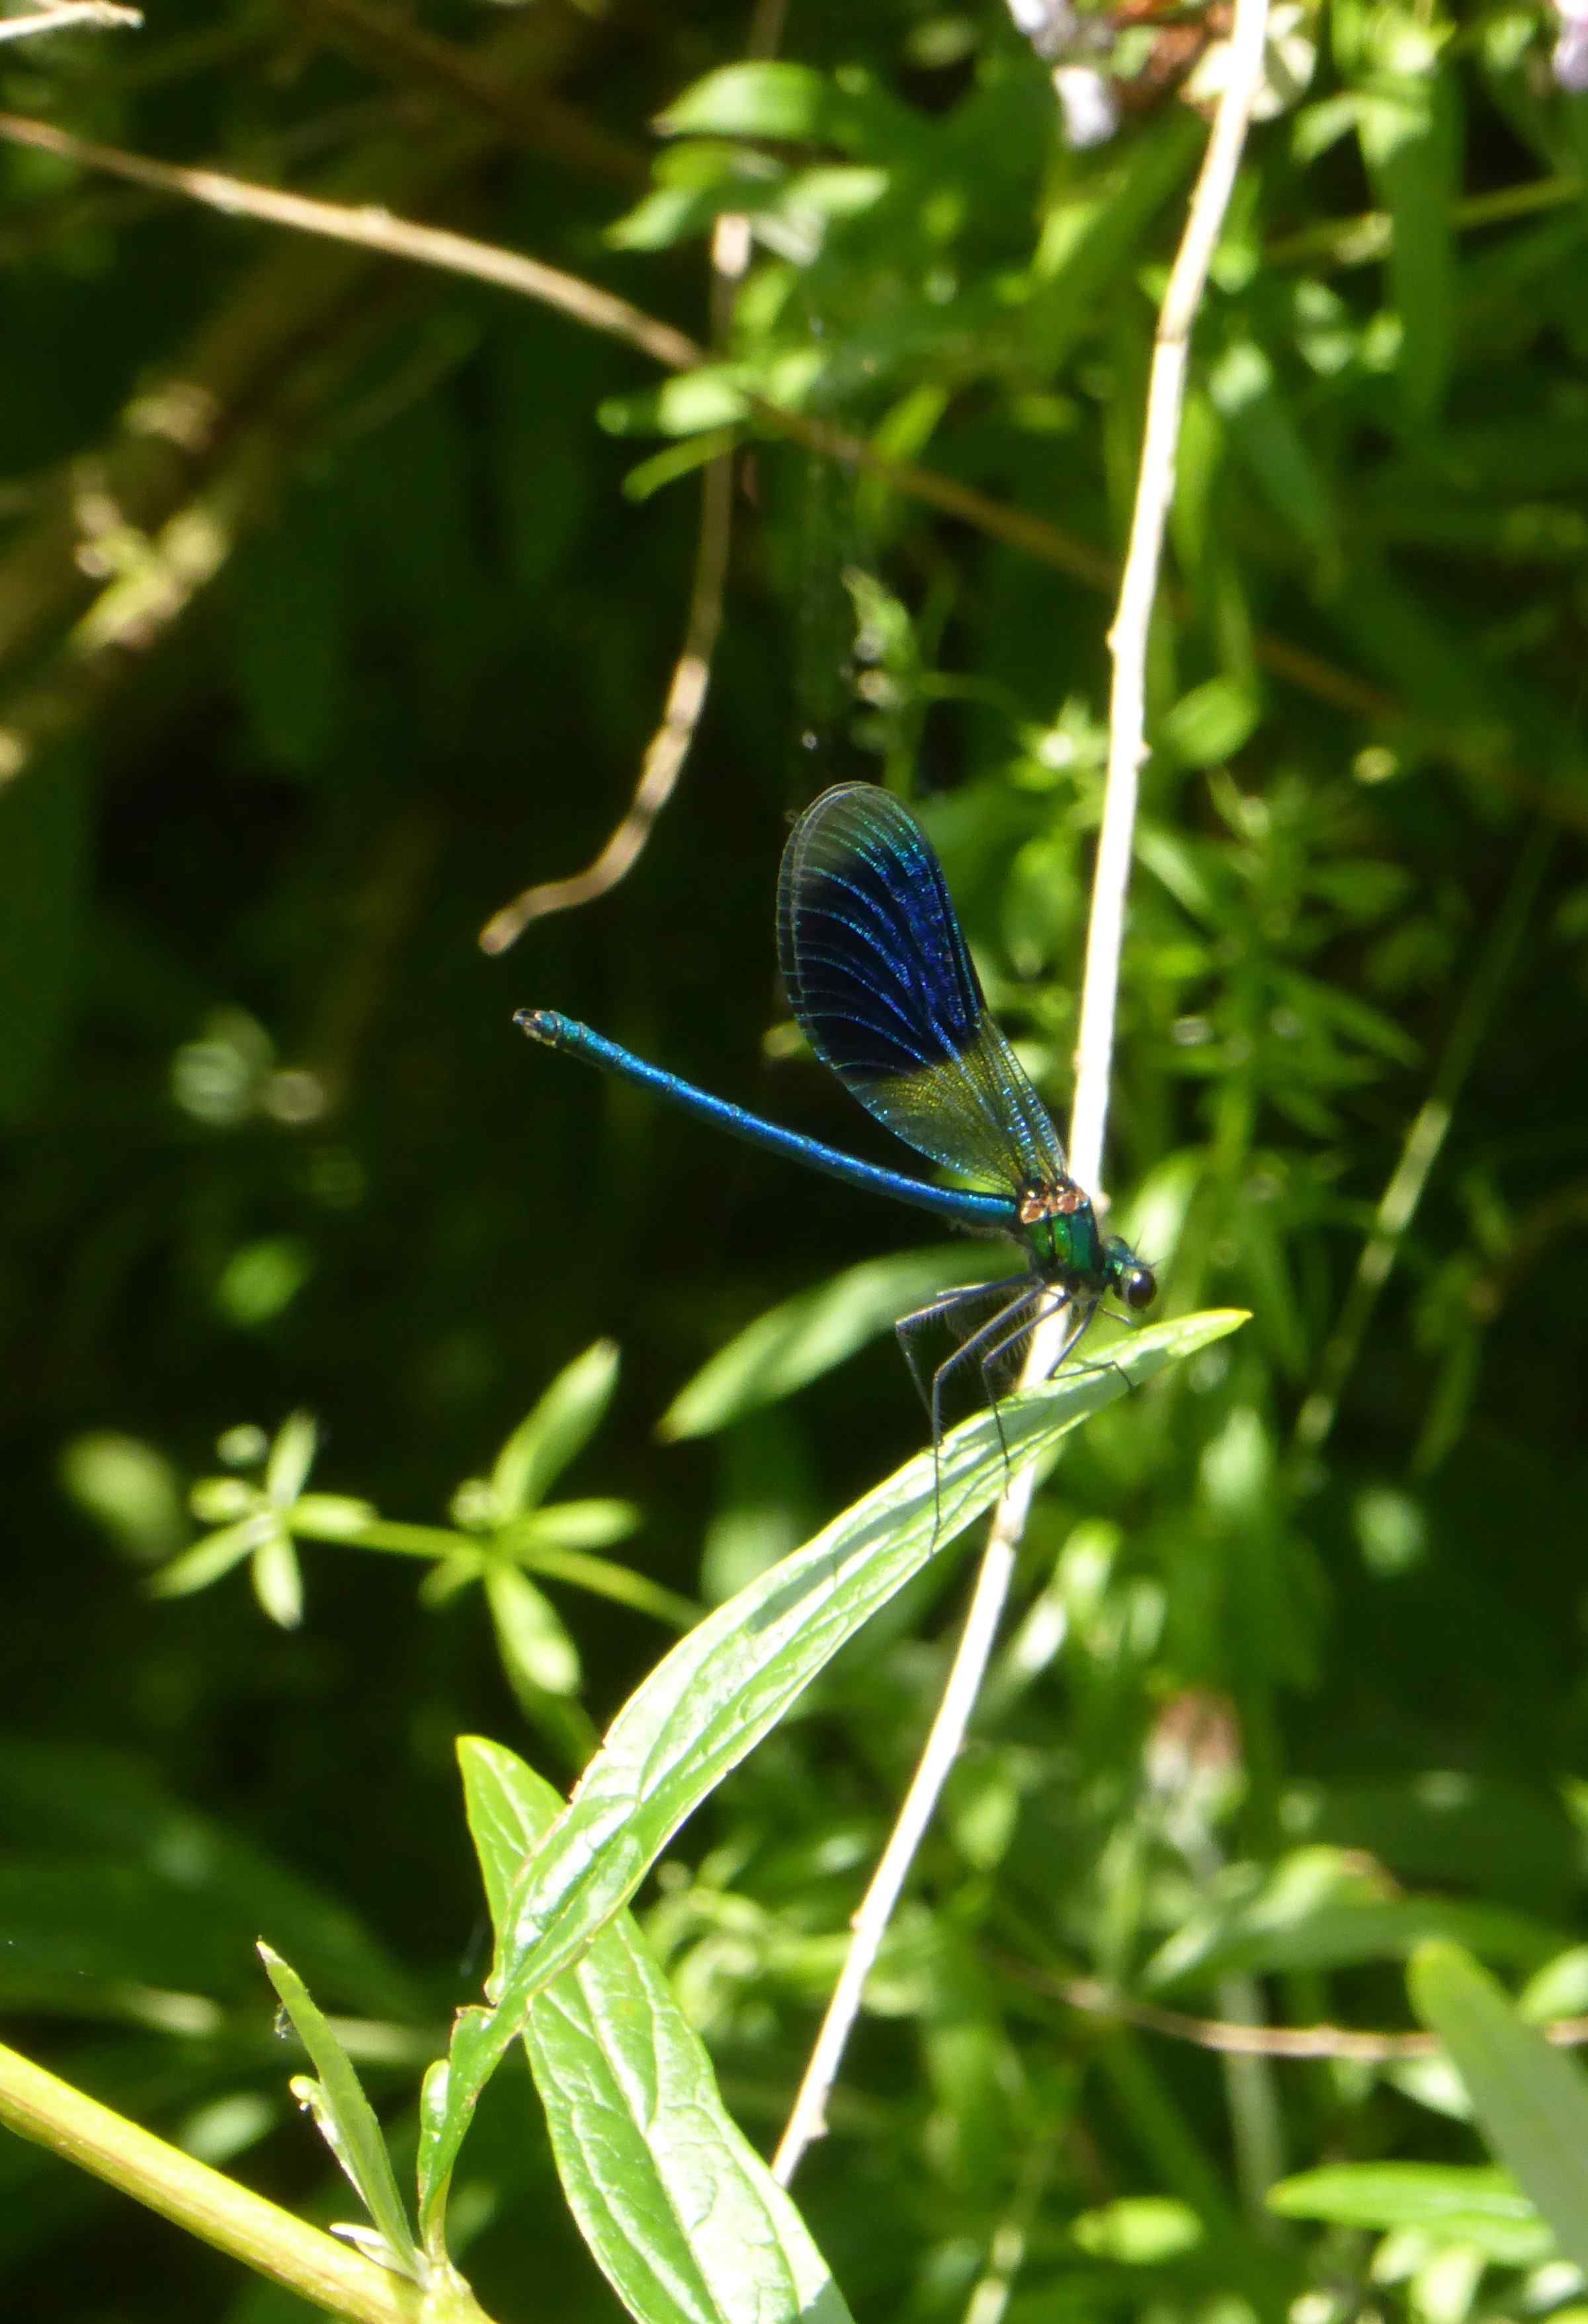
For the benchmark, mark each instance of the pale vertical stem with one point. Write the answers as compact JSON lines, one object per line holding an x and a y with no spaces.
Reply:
{"x":808,"y":2118}
{"x":1128,"y":639}
{"x":1155,"y":489}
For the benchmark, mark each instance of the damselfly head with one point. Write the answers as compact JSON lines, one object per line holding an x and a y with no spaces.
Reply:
{"x":1130,"y":1278}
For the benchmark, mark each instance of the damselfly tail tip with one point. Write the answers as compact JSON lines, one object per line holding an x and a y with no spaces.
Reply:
{"x":540,"y":1024}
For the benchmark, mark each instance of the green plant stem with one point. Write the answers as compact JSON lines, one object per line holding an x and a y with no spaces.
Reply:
{"x":1361,"y":241}
{"x":1163,"y":2134}
{"x":273,"y":2242}
{"x":406,"y":1540}
{"x":1175,"y":2151}
{"x":1398,"y":1202}
{"x":603,"y":1578}
{"x":580,"y":1566}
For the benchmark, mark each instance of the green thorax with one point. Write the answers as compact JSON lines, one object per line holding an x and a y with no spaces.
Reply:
{"x":1059,"y":1229}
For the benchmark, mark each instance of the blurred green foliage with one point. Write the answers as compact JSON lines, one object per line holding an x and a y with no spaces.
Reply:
{"x":339,"y":600}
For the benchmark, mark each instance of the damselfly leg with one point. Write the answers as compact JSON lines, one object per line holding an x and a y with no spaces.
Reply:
{"x":999,"y":1330}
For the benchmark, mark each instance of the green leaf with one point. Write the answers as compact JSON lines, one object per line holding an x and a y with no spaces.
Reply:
{"x":1560,"y":1989}
{"x":291,"y":1457}
{"x":451,"y":2091}
{"x":261,"y":1279}
{"x":604,"y":1578}
{"x":278,"y":1578}
{"x":1208,"y":724}
{"x":1090,"y":235}
{"x":1529,"y":2098}
{"x":671,"y":214}
{"x":805,"y":1336}
{"x":1431,"y":661}
{"x":574,"y":1525}
{"x":1444,"y":1827}
{"x":1265,"y":435}
{"x":680,"y":2212}
{"x":1139,"y":2230}
{"x":789,"y":103}
{"x":708,"y":1703}
{"x":555,"y":1433}
{"x":1316,"y":1001}
{"x":665,"y":467}
{"x":712,"y":398}
{"x":1318,"y":1909}
{"x":128,"y":1487}
{"x":106,"y":1879}
{"x":332,"y":1517}
{"x":216,"y":1554}
{"x":1447,"y":2202}
{"x":1408,"y":123}
{"x":535,"y":1646}
{"x":761,"y":1503}
{"x":346,"y":2120}
{"x":710,"y":1699}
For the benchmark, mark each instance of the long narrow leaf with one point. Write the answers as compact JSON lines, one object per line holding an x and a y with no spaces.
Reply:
{"x":1529,"y":2098}
{"x":559,"y":1428}
{"x":346,"y":2121}
{"x":710,"y":1700}
{"x":803,"y":1337}
{"x":1447,"y":2202}
{"x":681,"y":2213}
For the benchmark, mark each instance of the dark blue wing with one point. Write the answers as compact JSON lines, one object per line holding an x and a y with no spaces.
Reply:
{"x":881,"y":982}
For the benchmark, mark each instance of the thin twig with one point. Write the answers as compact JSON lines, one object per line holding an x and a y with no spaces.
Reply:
{"x":152,"y":552}
{"x":1128,"y":639}
{"x":670,"y":746}
{"x":371,"y":227}
{"x":1280,"y":2042}
{"x":1408,"y":1180}
{"x":1127,"y":749}
{"x":56,"y":16}
{"x":407,"y":54}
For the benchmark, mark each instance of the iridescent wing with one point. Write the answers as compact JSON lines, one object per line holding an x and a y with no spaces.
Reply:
{"x":879,"y":976}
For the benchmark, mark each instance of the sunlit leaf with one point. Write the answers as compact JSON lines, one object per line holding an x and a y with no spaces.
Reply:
{"x":345,"y":2117}
{"x":555,"y":1433}
{"x":807,"y":1336}
{"x":1448,"y":2202}
{"x":535,"y":1644}
{"x":1319,"y":1908}
{"x":291,"y":1457}
{"x":680,"y":2211}
{"x":784,"y":102}
{"x":1530,"y":2100}
{"x":216,"y":1554}
{"x":721,"y":1688}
